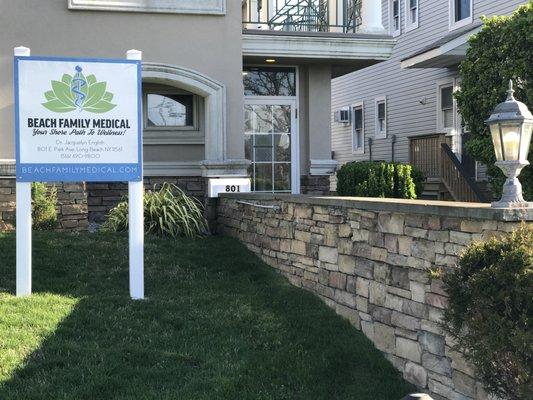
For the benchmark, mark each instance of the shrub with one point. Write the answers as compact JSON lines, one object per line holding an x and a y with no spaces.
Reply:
{"x":499,"y":52}
{"x":490,"y":310}
{"x":167,"y":212}
{"x":44,"y":203}
{"x":418,"y":178}
{"x":378,"y":179}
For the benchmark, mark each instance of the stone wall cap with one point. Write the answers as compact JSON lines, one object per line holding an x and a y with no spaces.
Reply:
{"x":427,"y":207}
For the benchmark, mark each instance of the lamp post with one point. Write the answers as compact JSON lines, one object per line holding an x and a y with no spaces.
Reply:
{"x":510,"y":125}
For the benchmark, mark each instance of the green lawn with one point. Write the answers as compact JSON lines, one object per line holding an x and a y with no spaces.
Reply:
{"x":219,"y":324}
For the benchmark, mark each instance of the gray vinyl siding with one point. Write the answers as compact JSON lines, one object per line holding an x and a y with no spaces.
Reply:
{"x":404,"y":88}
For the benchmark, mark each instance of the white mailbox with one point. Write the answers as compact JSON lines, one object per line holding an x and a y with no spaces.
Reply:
{"x":228,"y":185}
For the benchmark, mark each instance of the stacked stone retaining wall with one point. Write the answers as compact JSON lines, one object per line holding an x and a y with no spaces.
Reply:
{"x":104,"y":196}
{"x":370,"y":261}
{"x":81,"y":203}
{"x":71,"y":205}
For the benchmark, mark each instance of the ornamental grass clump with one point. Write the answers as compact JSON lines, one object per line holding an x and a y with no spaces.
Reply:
{"x":44,"y":204}
{"x":167,"y":212}
{"x":490,"y":310}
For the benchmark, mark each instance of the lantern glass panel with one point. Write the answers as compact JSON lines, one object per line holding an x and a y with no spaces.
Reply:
{"x":496,"y":140}
{"x":526,"y":140}
{"x":511,"y":141}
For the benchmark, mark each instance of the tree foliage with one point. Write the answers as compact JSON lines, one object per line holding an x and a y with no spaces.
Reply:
{"x":502,"y":50}
{"x":490,"y":310}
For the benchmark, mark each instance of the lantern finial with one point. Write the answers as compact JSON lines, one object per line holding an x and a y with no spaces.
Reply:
{"x":510,"y":92}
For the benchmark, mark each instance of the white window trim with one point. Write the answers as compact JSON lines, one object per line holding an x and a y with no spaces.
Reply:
{"x":215,"y":7}
{"x":358,"y":150}
{"x":398,"y":32}
{"x":440,"y":123}
{"x":380,"y":134}
{"x":463,"y":22}
{"x":409,"y":26}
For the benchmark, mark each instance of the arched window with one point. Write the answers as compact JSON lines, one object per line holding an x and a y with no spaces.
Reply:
{"x":166,"y":107}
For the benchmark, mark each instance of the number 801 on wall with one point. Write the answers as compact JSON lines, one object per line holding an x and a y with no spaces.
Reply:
{"x":233,"y":185}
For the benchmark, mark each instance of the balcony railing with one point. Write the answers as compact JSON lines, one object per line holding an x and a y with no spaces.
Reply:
{"x":343,"y":16}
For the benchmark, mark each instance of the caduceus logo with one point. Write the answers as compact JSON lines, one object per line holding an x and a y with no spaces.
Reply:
{"x":79,"y":92}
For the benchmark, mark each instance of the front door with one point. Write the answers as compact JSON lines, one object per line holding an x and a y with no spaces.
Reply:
{"x":271,"y":144}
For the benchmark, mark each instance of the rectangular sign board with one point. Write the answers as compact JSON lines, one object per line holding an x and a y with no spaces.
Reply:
{"x":228,"y":185}
{"x":78,"y":119}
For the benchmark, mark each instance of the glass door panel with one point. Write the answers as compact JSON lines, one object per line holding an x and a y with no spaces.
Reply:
{"x":268,"y":129}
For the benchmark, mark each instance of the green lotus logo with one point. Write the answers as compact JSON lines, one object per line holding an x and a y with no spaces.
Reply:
{"x":79,"y":93}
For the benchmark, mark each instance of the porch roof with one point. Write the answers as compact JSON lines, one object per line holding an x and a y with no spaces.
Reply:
{"x":346,"y":52}
{"x":446,"y":52}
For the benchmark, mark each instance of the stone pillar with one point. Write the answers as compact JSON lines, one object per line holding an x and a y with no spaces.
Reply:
{"x":371,"y":17}
{"x":321,"y":166}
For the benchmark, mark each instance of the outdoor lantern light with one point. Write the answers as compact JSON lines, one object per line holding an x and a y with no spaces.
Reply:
{"x":510,"y":126}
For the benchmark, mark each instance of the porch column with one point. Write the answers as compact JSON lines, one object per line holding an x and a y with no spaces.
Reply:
{"x":319,"y":109}
{"x":371,"y":17}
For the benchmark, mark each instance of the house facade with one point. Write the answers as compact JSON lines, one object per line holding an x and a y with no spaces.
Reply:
{"x":403,"y":109}
{"x":231,"y":88}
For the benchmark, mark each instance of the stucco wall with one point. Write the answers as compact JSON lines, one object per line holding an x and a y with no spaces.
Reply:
{"x":211,"y":45}
{"x":369,"y":260}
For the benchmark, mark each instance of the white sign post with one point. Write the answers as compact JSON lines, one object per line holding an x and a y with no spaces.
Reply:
{"x":136,"y":225}
{"x":23,"y":218}
{"x":78,"y":120}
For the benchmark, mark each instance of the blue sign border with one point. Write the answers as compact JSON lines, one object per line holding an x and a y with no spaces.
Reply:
{"x":89,"y":172}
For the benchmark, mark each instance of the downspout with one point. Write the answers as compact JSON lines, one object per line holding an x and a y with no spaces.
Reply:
{"x":393,"y":142}
{"x":370,"y":147}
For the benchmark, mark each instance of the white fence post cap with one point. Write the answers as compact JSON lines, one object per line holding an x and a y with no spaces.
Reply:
{"x":21,"y":51}
{"x":134,"y":54}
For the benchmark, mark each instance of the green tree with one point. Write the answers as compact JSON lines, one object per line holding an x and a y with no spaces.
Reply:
{"x":502,"y":50}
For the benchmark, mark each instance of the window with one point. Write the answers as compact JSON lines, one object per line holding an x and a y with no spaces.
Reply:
{"x":460,"y":13}
{"x":167,"y":110}
{"x":381,"y":117}
{"x":395,"y":23}
{"x":447,"y":119}
{"x":411,"y":20}
{"x":446,"y":106}
{"x":269,"y":81}
{"x":268,"y":136}
{"x":358,"y":128}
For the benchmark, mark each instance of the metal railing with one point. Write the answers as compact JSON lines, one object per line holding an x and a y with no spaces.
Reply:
{"x":343,"y":16}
